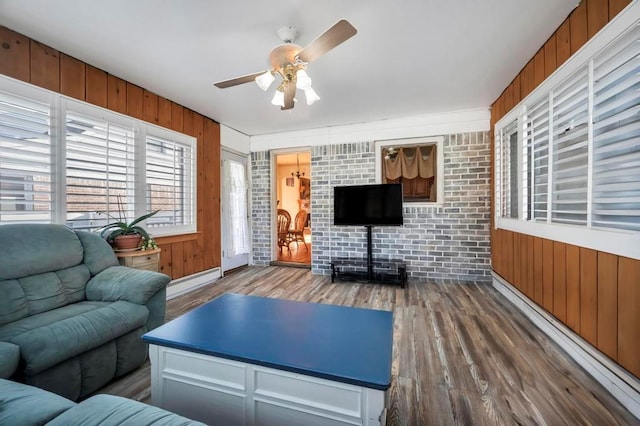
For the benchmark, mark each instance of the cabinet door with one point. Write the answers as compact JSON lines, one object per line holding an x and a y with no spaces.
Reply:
{"x":422,"y":187}
{"x":407,"y":187}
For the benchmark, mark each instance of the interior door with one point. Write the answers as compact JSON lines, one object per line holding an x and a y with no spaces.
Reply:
{"x":235,"y":211}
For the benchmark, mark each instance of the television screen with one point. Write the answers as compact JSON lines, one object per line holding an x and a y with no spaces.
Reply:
{"x":368,"y":205}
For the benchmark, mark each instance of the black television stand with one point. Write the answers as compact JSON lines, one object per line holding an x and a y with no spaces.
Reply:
{"x":369,"y":269}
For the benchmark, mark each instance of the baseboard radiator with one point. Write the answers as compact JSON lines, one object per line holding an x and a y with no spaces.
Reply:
{"x":189,"y":283}
{"x":621,"y":384}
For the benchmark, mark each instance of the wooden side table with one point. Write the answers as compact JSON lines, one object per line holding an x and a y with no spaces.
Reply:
{"x":141,"y":259}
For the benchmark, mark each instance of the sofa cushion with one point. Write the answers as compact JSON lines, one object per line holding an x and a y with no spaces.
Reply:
{"x":34,"y":294}
{"x":109,"y":410}
{"x":36,"y":249}
{"x":122,"y":283}
{"x":98,"y":255}
{"x":9,"y":359}
{"x":9,"y":331}
{"x":74,"y":280}
{"x":26,"y":405}
{"x":51,"y":343}
{"x":13,"y":304}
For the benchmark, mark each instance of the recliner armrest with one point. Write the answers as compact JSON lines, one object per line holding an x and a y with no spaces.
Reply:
{"x":123,"y":283}
{"x":9,"y":359}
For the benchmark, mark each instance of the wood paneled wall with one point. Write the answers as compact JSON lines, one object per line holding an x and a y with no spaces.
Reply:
{"x":27,"y":60}
{"x":595,"y":294}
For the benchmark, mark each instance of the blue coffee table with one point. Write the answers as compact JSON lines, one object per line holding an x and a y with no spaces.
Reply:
{"x":253,"y":360}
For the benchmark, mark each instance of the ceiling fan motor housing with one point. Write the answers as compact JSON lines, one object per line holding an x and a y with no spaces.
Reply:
{"x":283,"y":54}
{"x":288,"y":34}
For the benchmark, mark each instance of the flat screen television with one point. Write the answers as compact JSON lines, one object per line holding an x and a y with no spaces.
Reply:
{"x":368,"y":205}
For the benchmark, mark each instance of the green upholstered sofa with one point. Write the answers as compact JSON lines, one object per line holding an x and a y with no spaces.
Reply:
{"x":71,"y":317}
{"x":25,"y":406}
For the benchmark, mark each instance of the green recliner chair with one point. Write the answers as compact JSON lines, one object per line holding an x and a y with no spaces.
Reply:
{"x":71,"y":317}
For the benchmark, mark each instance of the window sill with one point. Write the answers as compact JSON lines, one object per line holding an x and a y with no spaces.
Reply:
{"x":620,"y":242}
{"x":170,"y":239}
{"x":422,"y":204}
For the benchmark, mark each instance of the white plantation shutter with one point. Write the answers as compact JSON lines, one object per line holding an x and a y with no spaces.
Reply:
{"x":570,"y":150}
{"x":170,"y":168}
{"x":537,"y":145}
{"x":68,"y":162}
{"x":616,"y":135}
{"x":507,"y":178}
{"x":579,"y":158}
{"x":25,"y":160}
{"x":100,"y":175}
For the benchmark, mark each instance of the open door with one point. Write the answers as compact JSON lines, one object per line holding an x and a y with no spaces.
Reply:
{"x":293,"y":188}
{"x":235,"y":216}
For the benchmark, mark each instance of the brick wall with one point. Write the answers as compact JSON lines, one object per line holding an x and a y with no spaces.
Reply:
{"x":261,"y":207}
{"x":439,"y":244}
{"x":335,"y":165}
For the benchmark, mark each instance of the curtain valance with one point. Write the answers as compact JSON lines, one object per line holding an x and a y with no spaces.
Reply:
{"x":409,"y":163}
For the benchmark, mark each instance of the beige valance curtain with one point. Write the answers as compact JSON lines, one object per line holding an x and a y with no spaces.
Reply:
{"x":410,"y":163}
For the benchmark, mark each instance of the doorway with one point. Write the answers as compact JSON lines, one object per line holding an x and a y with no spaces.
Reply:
{"x":293,"y":182}
{"x":235,"y":216}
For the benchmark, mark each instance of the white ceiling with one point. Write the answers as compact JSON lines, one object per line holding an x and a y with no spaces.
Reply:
{"x":409,"y":57}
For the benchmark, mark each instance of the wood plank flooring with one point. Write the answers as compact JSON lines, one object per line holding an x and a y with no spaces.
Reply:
{"x":462,"y":353}
{"x":297,"y":253}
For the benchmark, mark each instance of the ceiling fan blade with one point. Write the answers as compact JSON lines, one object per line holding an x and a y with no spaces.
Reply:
{"x":289,"y":94}
{"x":339,"y":33}
{"x":238,"y":80}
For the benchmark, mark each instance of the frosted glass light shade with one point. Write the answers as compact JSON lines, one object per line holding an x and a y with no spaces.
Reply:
{"x":278,"y":99}
{"x":311,"y":96}
{"x":303,"y":81}
{"x":264,"y":80}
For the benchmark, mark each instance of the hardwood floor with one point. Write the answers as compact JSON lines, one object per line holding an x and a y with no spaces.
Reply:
{"x":298,"y":253}
{"x":462,"y":353}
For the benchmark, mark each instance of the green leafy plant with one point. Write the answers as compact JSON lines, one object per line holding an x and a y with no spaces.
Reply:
{"x":149,"y":244}
{"x":120,"y":226}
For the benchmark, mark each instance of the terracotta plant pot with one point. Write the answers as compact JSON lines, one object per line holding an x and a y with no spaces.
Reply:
{"x":127,"y":242}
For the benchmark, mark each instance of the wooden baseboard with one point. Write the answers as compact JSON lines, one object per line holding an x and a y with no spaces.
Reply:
{"x":620,"y":383}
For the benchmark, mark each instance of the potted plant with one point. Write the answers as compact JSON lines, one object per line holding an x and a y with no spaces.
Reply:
{"x":123,"y":235}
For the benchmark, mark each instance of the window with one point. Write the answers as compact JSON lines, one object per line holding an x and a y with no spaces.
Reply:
{"x":616,"y":135}
{"x":576,"y":143}
{"x":100,"y":170}
{"x":508,"y":158}
{"x":169,"y":186}
{"x":89,"y":163}
{"x":234,"y":182}
{"x":536,"y":162}
{"x":570,"y":156}
{"x":25,"y":160}
{"x":414,"y":163}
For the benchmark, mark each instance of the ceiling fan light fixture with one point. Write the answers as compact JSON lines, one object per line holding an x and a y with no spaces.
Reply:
{"x":278,"y":97}
{"x":264,"y":80}
{"x":303,"y":81}
{"x":311,"y":96}
{"x":290,"y":61}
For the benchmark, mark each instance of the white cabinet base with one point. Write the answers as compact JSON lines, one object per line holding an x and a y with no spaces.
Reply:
{"x":219,"y":391}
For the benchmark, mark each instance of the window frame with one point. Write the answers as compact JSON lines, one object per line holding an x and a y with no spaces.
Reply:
{"x":33,"y":94}
{"x":617,"y":241}
{"x":180,"y":138}
{"x":59,"y":105}
{"x":438,"y":141}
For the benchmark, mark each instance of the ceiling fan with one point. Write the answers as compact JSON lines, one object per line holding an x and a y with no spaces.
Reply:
{"x":290,"y":62}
